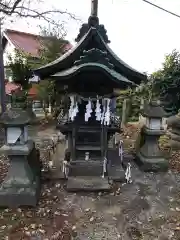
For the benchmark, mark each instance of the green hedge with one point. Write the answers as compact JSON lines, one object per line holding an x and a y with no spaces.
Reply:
{"x":134,"y":101}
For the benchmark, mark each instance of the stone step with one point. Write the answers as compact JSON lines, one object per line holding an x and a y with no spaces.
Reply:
{"x":88,"y":129}
{"x":86,"y":168}
{"x":88,"y":148}
{"x":85,"y":183}
{"x":88,"y":143}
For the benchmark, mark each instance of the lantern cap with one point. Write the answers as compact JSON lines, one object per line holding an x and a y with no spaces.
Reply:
{"x":15,"y":118}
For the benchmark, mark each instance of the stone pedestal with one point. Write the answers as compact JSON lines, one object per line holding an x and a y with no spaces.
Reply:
{"x":21,"y":186}
{"x":149,"y":156}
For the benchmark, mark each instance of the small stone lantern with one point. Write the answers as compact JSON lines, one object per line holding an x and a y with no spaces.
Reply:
{"x":21,"y":186}
{"x":149,"y":157}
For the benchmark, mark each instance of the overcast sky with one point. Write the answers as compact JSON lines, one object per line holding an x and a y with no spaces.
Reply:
{"x":140,"y":34}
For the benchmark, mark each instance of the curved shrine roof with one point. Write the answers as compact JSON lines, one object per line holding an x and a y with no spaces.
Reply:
{"x":75,"y":70}
{"x":91,"y":38}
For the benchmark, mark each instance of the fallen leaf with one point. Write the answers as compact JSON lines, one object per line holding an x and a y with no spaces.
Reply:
{"x":3,"y":227}
{"x":33,"y":226}
{"x":27,"y":233}
{"x":87,"y":209}
{"x":73,"y":228}
{"x":91,"y":219}
{"x":42,"y":231}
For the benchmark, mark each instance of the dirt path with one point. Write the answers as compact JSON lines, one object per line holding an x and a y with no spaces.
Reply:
{"x":148,"y":208}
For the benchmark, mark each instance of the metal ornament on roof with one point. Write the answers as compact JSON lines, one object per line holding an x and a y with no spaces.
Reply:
{"x":94,"y":55}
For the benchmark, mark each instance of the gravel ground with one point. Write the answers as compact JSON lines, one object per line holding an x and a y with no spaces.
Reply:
{"x":148,"y":208}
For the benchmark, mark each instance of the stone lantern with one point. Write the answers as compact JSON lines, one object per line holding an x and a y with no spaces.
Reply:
{"x":149,"y":157}
{"x":21,"y":186}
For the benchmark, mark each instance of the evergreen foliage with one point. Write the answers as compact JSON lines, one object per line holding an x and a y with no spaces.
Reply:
{"x":167,"y":82}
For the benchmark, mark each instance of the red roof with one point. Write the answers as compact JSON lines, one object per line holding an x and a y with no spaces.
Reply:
{"x":27,"y":42}
{"x":11,"y":87}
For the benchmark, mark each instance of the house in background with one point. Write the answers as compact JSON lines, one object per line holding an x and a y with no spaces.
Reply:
{"x":11,"y":87}
{"x":27,"y":43}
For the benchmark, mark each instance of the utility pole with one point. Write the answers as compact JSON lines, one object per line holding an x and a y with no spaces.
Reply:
{"x":2,"y":79}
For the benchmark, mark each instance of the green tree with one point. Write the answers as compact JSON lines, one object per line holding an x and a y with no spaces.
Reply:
{"x":166,"y":82}
{"x":45,"y":93}
{"x":53,"y":45}
{"x":20,"y":67}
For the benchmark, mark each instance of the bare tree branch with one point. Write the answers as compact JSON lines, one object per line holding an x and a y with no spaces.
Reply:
{"x":26,"y":12}
{"x":25,"y":9}
{"x":8,"y":8}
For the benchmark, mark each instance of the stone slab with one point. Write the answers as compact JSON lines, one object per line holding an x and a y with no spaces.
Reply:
{"x":53,"y":174}
{"x":86,"y":168}
{"x":84,"y":183}
{"x":28,"y":196}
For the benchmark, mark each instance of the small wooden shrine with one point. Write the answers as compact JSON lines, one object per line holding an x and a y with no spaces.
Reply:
{"x":89,"y":73}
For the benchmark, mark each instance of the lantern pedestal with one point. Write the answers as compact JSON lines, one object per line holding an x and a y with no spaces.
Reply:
{"x":150,"y":157}
{"x":21,"y":186}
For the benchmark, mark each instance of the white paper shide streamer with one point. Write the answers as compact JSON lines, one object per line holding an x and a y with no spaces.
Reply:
{"x":105,"y":117}
{"x":121,"y":150}
{"x":73,"y":110}
{"x":71,"y":106}
{"x":104,"y":167}
{"x":128,"y":173}
{"x":107,"y":114}
{"x":98,"y":110}
{"x":65,"y":168}
{"x":88,"y":111}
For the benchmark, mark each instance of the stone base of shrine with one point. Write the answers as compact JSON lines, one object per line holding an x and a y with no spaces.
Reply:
{"x":16,"y":197}
{"x":85,"y":183}
{"x":54,"y":174}
{"x":116,"y":173}
{"x":88,"y":168}
{"x":151,"y":164}
{"x":116,"y":168}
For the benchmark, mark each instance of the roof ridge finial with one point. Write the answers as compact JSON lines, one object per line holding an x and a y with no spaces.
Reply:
{"x":94,"y":8}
